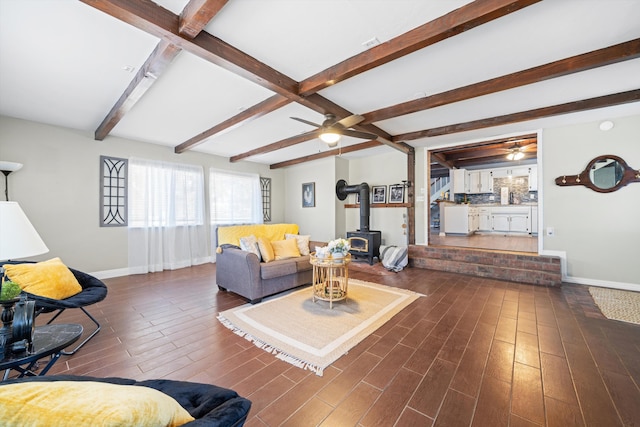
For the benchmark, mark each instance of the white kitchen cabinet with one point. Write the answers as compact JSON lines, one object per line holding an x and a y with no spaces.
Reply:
{"x":484,"y":219}
{"x":511,"y":219}
{"x":474,"y":219}
{"x":511,"y":172}
{"x":533,"y":178}
{"x":456,"y":219}
{"x":459,"y":180}
{"x":479,"y":182}
{"x":473,"y":182}
{"x":486,"y":181}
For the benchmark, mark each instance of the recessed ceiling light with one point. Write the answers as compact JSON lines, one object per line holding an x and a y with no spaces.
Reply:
{"x":606,"y":125}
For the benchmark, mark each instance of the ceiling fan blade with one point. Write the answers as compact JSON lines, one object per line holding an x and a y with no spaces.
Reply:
{"x":349,"y":121}
{"x":358,"y":134}
{"x":306,"y":121}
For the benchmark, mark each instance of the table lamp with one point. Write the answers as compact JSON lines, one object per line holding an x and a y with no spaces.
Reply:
{"x":18,"y":239}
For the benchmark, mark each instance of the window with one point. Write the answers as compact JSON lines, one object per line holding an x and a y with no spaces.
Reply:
{"x":235,"y":197}
{"x":165,"y":194}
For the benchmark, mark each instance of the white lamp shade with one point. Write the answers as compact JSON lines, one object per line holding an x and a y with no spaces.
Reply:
{"x":18,"y":238}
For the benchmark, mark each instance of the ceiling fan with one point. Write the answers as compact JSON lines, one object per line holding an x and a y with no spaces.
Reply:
{"x":516,"y":152}
{"x":331,"y":129}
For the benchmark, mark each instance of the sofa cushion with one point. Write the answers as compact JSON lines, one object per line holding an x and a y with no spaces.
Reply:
{"x":302,"y":241}
{"x":266,"y":250}
{"x":303,"y":264}
{"x":250,"y":244}
{"x":284,"y":249}
{"x":278,"y":268}
{"x":70,"y":403}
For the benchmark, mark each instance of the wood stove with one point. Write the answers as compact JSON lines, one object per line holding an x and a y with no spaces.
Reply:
{"x":363,"y":242}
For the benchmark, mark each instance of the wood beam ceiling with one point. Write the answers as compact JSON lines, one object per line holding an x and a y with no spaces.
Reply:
{"x":453,"y":23}
{"x":569,"y":107}
{"x":178,"y":32}
{"x":156,"y":20}
{"x":587,"y":61}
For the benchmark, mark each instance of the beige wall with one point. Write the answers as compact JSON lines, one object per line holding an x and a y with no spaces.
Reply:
{"x":58,"y":188}
{"x":599,"y":232}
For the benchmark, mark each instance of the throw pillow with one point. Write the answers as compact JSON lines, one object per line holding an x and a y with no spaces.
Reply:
{"x":266,"y":250}
{"x":87,"y":403}
{"x":303,"y":242}
{"x":50,"y":279}
{"x":250,"y":244}
{"x":284,"y":249}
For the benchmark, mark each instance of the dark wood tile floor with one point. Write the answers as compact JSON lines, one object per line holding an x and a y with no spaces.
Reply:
{"x":473,"y":352}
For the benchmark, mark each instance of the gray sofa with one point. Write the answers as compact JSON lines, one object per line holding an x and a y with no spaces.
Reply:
{"x":242,"y":272}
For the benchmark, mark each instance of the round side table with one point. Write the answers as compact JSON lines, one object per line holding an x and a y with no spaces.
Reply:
{"x":330,"y":278}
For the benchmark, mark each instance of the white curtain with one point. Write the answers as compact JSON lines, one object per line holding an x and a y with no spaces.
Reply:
{"x":234,"y":198}
{"x":166,"y":216}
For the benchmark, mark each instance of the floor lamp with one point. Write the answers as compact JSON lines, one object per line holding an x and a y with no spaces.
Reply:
{"x":7,"y":168}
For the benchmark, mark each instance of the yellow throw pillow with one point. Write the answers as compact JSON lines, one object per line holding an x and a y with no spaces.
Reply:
{"x":284,"y":249}
{"x":87,"y":403}
{"x":303,"y":242}
{"x":266,"y":250}
{"x":50,"y":279}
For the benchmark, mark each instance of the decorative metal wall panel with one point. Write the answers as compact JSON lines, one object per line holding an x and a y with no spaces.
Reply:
{"x":265,"y":188}
{"x":113,"y":191}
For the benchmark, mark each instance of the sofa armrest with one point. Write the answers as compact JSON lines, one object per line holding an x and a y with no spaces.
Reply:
{"x":239,"y":271}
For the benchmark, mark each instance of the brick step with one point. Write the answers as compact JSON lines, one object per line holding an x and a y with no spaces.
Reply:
{"x":518,"y":267}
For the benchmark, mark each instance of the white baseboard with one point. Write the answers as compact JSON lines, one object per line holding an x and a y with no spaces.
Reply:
{"x":127,"y":271}
{"x":603,"y":283}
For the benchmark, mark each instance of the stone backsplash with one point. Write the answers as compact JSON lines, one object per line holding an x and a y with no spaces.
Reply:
{"x":519,"y":186}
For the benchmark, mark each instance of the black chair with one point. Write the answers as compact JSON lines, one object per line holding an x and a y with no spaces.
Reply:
{"x":93,"y":291}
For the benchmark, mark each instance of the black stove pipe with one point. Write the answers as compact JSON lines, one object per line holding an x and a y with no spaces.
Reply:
{"x":343,"y":190}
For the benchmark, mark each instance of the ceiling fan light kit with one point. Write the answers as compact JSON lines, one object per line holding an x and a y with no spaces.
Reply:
{"x":330,"y":138}
{"x":515,"y":155}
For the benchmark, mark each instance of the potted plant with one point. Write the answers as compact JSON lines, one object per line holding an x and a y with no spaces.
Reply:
{"x":338,"y":248}
{"x":9,"y":291}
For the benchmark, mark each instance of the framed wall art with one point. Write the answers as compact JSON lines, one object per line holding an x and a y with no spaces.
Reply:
{"x":379,"y":194}
{"x":396,"y":193}
{"x":309,"y":195}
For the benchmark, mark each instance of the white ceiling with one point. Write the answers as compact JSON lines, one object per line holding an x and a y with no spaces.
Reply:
{"x":62,"y":63}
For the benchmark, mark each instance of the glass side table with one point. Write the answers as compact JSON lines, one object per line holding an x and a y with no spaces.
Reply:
{"x":330,"y":278}
{"x":48,"y":340}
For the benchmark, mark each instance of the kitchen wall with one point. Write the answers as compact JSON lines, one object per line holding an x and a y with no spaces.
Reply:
{"x":519,"y":186}
{"x":58,"y":188}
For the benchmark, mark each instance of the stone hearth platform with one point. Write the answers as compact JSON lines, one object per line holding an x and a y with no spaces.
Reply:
{"x":518,"y":267}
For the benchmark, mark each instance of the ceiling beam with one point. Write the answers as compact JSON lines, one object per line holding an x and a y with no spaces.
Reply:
{"x":196,"y":15}
{"x":146,"y":76}
{"x":284,"y":143}
{"x":440,"y":159}
{"x":267,"y":106}
{"x":149,"y":17}
{"x":587,"y":61}
{"x":193,"y":17}
{"x":330,"y":153}
{"x":160,"y":22}
{"x":555,"y":110}
{"x":462,"y":19}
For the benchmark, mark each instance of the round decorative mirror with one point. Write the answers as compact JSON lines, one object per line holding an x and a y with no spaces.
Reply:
{"x":606,"y":173}
{"x":603,"y":174}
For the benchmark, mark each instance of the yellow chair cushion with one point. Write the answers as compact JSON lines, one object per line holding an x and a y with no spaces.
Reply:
{"x":266,"y":250}
{"x":284,"y":249}
{"x":232,"y":234}
{"x":87,"y":403}
{"x":50,"y":279}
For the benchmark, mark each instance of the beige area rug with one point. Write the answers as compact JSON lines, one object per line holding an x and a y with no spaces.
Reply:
{"x":308,"y":334}
{"x":616,"y":304}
